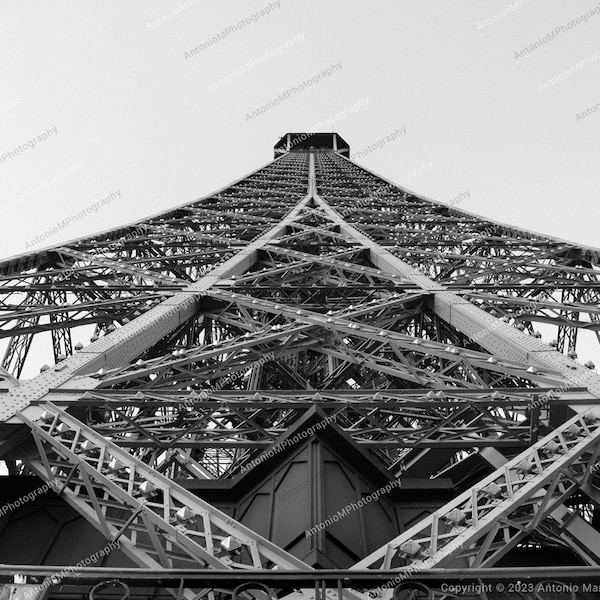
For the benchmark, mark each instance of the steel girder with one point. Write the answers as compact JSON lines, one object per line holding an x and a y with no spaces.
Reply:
{"x":468,"y":253}
{"x":183,"y":435}
{"x":358,"y":285}
{"x":158,"y":523}
{"x":80,"y":461}
{"x":113,"y":277}
{"x":478,"y":527}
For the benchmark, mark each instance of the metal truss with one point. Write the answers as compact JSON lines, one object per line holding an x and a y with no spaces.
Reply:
{"x":173,"y":432}
{"x":483,"y":524}
{"x":157,"y":522}
{"x":112,"y":278}
{"x":217,"y":327}
{"x":509,"y":272}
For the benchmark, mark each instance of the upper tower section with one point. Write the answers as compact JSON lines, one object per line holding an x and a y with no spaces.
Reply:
{"x":301,"y":142}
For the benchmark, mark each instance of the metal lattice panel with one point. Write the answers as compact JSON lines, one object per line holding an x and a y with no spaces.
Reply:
{"x":216,"y":328}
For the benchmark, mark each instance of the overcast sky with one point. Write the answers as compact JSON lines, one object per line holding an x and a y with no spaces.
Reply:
{"x":143,"y":104}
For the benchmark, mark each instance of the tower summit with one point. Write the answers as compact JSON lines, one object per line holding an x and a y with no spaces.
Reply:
{"x":302,"y":142}
{"x":310,"y":378}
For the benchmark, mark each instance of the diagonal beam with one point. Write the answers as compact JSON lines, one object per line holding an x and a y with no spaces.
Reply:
{"x":141,"y":333}
{"x":528,"y":487}
{"x":491,"y":333}
{"x":133,"y":495}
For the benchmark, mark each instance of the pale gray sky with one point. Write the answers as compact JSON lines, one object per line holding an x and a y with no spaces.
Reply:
{"x":131,"y":109}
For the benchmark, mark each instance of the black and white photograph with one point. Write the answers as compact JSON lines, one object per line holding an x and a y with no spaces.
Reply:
{"x":299,"y":300}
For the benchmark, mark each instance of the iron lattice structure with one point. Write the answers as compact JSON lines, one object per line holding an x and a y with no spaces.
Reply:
{"x":263,"y":358}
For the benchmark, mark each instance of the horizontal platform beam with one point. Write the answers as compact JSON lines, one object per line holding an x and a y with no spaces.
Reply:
{"x":345,"y":577}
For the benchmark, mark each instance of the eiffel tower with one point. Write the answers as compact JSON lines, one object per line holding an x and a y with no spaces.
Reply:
{"x":310,"y":384}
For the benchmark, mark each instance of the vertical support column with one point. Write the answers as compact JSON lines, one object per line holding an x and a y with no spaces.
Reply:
{"x":312,"y":178}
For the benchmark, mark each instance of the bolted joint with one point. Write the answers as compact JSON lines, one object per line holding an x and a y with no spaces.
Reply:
{"x":492,"y":491}
{"x":410,"y":549}
{"x":456,"y":517}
